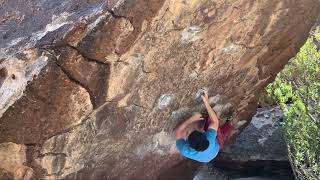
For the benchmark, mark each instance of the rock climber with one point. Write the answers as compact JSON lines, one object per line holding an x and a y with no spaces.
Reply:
{"x":204,"y":141}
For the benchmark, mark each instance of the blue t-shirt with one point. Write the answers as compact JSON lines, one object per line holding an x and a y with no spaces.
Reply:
{"x":201,"y":156}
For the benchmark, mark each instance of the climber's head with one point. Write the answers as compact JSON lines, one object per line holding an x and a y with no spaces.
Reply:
{"x":198,"y":141}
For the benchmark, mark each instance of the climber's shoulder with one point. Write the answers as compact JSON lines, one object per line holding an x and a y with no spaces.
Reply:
{"x":211,"y":134}
{"x":181,"y":144}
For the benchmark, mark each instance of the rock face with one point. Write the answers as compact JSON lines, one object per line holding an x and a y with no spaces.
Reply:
{"x":13,"y":158}
{"x":260,"y":140}
{"x":259,"y":151}
{"x":96,"y":87}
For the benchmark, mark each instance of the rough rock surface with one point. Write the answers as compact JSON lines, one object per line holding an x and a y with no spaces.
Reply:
{"x":13,"y":158}
{"x":95,"y":87}
{"x":260,"y":140}
{"x":259,"y":151}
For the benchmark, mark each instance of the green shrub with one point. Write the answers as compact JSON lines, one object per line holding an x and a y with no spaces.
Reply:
{"x":297,"y":90}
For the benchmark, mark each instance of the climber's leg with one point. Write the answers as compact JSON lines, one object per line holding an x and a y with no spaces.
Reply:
{"x":224,"y":133}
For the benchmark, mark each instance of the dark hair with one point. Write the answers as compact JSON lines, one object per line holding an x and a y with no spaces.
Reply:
{"x":198,"y":141}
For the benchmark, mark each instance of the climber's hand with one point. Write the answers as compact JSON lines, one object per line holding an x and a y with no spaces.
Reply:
{"x":205,"y":96}
{"x":196,"y":116}
{"x":213,"y":116}
{"x":181,"y":130}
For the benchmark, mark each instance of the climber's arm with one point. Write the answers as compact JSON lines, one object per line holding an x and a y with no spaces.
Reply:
{"x":180,"y":130}
{"x":213,"y":116}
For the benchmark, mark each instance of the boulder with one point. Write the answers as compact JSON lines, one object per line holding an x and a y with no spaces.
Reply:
{"x":97,"y":86}
{"x":261,"y":140}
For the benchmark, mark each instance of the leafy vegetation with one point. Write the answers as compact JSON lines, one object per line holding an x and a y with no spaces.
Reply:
{"x":297,"y":90}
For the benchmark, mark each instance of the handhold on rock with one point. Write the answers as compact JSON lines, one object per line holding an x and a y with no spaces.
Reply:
{"x":199,"y":93}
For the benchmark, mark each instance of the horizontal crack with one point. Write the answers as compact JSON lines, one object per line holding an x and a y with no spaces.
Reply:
{"x":247,"y":46}
{"x":124,"y":62}
{"x":140,"y":106}
{"x":86,"y":57}
{"x":53,"y":154}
